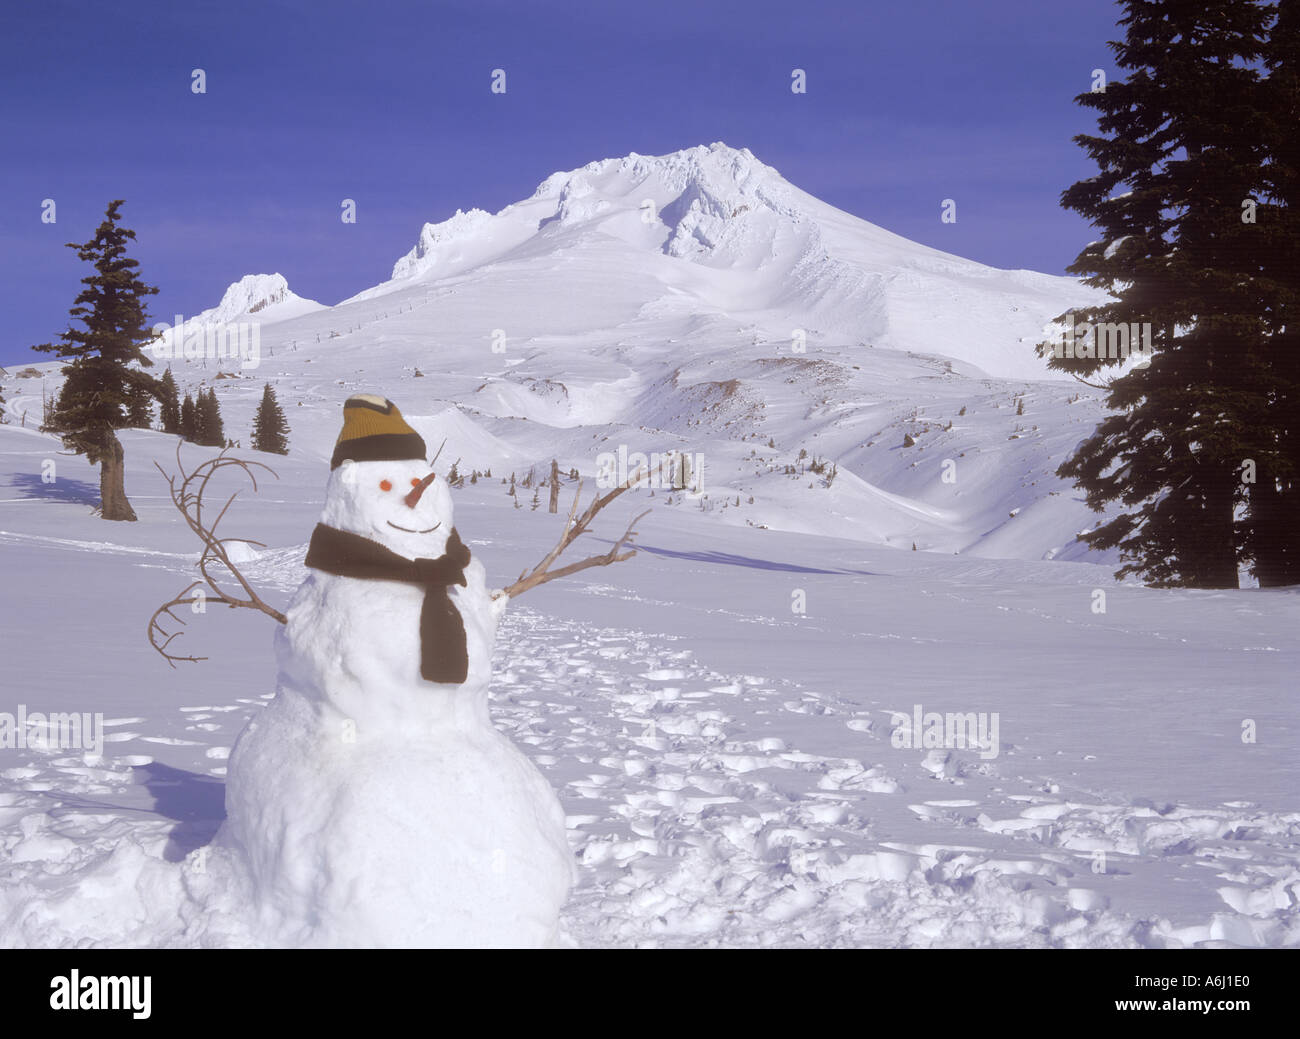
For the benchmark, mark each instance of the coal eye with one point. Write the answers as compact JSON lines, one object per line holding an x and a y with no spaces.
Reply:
{"x":385,"y":485}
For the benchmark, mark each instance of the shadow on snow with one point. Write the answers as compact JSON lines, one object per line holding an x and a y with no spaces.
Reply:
{"x":78,"y":492}
{"x":195,"y":802}
{"x":730,"y":559}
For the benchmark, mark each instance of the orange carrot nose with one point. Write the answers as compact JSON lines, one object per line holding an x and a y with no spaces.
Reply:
{"x":413,"y":499}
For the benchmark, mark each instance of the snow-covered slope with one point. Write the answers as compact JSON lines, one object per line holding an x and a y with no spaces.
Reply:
{"x":727,"y":766}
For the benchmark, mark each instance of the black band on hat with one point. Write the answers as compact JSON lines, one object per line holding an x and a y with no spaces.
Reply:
{"x":382,"y":447}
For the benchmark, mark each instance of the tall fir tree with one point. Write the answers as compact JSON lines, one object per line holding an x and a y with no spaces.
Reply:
{"x":1271,"y":528}
{"x":1183,"y":134}
{"x":102,"y":374}
{"x":169,"y":406}
{"x":189,"y":419}
{"x":270,"y":428}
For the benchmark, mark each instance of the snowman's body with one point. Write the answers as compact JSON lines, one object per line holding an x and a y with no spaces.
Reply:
{"x":368,"y":806}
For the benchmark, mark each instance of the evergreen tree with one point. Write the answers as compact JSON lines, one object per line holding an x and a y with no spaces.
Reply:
{"x":210,"y":431}
{"x":200,"y":417}
{"x":270,"y":430}
{"x":169,"y":410}
{"x":1271,"y":528}
{"x":1183,"y":135}
{"x":189,"y":420}
{"x":139,"y":407}
{"x":100,"y":377}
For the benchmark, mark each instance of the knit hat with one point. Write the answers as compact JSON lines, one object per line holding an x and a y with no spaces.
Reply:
{"x":374,"y":431}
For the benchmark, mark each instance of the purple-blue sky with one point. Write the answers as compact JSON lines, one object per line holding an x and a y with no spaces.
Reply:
{"x":388,"y":103}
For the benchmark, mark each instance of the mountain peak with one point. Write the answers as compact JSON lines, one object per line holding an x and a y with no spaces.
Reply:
{"x":712,"y":229}
{"x":261,"y":297}
{"x":717,"y":164}
{"x":437,"y":240}
{"x":251,"y":294}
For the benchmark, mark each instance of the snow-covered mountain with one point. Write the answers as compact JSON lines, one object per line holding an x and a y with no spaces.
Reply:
{"x":265,"y":298}
{"x":699,"y":302}
{"x":758,"y":248}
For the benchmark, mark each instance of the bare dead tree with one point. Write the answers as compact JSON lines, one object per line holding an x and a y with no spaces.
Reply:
{"x":542,"y":572}
{"x":187,"y":490}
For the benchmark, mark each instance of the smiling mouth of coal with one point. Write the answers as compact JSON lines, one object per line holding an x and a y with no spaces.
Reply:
{"x":408,"y":530}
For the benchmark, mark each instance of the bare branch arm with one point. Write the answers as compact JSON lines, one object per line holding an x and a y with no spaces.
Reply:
{"x":187,"y":490}
{"x":542,"y":573}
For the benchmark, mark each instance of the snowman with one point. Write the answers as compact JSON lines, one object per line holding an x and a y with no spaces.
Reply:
{"x":373,"y":802}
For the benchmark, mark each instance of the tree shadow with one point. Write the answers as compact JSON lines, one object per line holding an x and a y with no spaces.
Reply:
{"x":76,"y":492}
{"x":196,"y":802}
{"x":731,"y":559}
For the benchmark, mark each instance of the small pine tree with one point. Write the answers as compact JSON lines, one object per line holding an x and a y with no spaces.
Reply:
{"x":189,"y":424}
{"x":270,"y":430}
{"x":139,"y":406}
{"x":537,"y":501}
{"x":211,"y":430}
{"x":169,"y":409}
{"x":200,"y":417}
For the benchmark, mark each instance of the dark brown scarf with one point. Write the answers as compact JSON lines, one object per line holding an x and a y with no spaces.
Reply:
{"x":444,"y":656}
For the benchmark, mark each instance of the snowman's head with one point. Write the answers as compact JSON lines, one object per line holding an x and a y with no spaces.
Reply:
{"x":380,"y":485}
{"x":400,"y":504}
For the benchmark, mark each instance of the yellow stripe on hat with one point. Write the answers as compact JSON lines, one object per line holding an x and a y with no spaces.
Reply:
{"x":374,"y":430}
